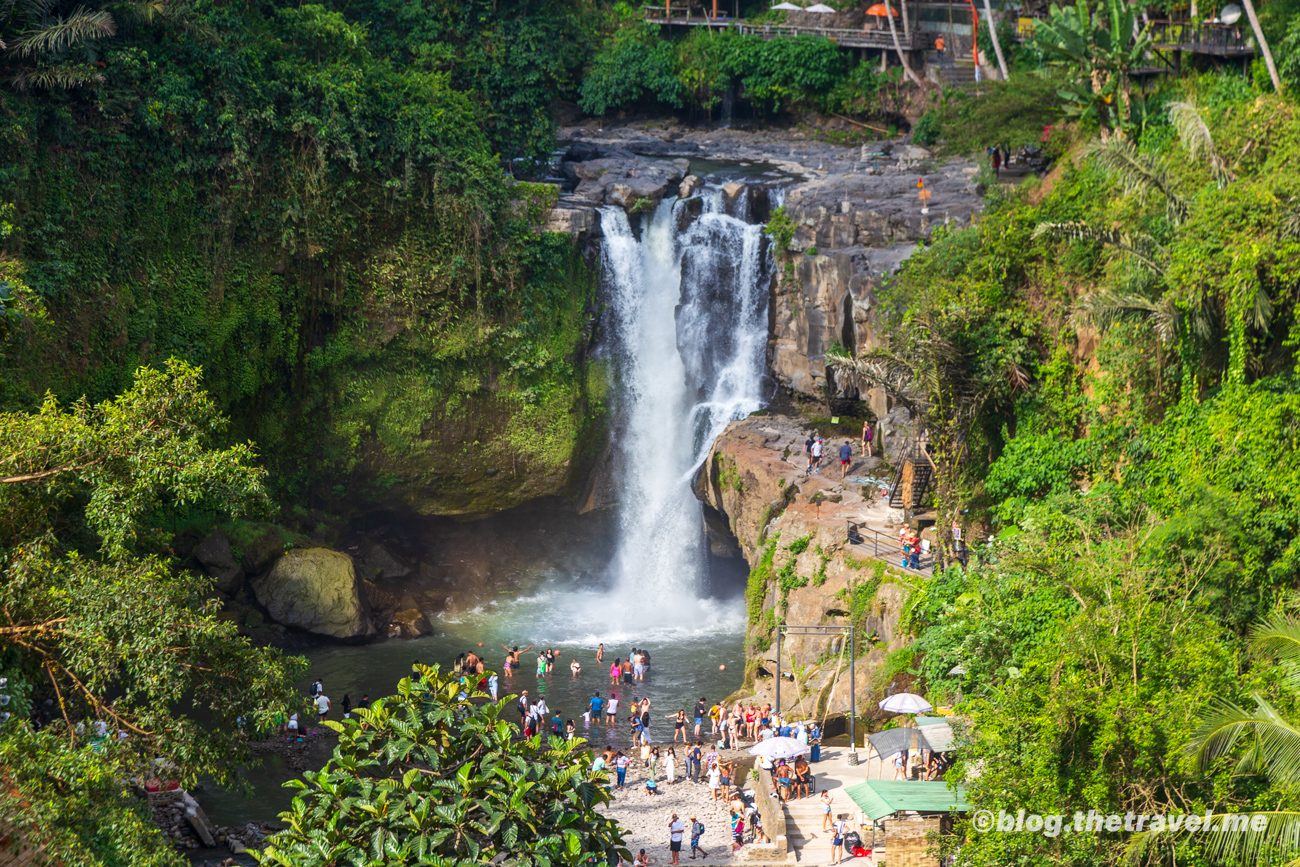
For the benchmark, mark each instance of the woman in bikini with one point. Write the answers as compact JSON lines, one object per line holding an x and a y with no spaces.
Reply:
{"x":679,"y":721}
{"x":615,"y":671}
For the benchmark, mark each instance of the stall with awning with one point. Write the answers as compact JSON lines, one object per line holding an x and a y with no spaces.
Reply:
{"x":882,"y":799}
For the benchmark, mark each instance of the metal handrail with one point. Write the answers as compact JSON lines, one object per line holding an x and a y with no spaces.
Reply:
{"x":1202,"y":35}
{"x":892,"y":549}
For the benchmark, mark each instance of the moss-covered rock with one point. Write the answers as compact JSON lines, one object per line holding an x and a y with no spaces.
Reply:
{"x":316,"y":589}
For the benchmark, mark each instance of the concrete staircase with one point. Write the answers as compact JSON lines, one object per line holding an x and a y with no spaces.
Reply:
{"x":803,"y":830}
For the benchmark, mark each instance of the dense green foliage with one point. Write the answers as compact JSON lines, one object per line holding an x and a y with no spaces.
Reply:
{"x":435,"y":775}
{"x":639,"y":69}
{"x":100,"y":630}
{"x":1106,"y":363}
{"x":1011,"y":114}
{"x":313,"y":203}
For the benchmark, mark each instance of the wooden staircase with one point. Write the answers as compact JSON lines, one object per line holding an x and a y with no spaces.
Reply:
{"x":912,"y":481}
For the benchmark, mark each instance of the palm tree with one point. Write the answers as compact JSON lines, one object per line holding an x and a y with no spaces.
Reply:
{"x":49,"y":43}
{"x":1263,"y":44}
{"x":993,"y":33}
{"x":1270,"y":746}
{"x":893,"y":31}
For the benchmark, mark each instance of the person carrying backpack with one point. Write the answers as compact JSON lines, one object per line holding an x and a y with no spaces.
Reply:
{"x":697,"y":831}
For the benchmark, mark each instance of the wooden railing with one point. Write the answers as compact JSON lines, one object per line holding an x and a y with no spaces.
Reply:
{"x":847,"y":37}
{"x":702,"y":16}
{"x":1202,"y":37}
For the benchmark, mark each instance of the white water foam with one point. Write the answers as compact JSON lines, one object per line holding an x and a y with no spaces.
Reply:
{"x":690,"y":322}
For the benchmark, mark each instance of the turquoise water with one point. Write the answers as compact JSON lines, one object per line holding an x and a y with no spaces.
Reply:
{"x":686,"y":651}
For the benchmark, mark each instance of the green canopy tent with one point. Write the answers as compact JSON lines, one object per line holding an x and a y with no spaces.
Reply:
{"x":881,"y":799}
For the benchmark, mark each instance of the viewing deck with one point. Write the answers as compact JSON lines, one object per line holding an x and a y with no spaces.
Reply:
{"x":1219,"y":40}
{"x":879,"y":38}
{"x":682,"y":16}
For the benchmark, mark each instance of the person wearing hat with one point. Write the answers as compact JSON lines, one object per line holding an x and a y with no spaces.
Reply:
{"x":523,"y":707}
{"x":697,"y":831}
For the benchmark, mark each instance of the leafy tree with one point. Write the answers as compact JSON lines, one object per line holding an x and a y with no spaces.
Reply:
{"x":637,"y":65}
{"x":120,"y":655}
{"x":434,"y":775}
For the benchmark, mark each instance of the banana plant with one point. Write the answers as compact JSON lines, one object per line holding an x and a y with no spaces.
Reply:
{"x":1101,"y":47}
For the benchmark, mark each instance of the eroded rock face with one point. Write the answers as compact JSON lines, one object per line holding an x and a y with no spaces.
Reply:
{"x":853,"y":232}
{"x":755,"y":481}
{"x":317,"y":590}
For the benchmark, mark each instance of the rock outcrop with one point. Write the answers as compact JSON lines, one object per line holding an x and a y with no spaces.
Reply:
{"x":792,"y":529}
{"x":317,"y":590}
{"x":218,"y":560}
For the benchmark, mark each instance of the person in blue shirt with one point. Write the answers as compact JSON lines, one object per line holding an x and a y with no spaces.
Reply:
{"x":596,"y":704}
{"x":846,"y":457}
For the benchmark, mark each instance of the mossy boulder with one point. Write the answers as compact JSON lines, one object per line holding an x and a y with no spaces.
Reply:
{"x":317,"y":590}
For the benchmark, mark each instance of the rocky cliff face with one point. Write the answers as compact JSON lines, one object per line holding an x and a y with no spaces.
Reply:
{"x":857,"y":210}
{"x":791,"y":527}
{"x":854,"y":230}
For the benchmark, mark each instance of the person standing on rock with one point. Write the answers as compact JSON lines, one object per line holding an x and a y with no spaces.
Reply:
{"x":817,"y":449}
{"x":700,"y":707}
{"x":846,"y":457}
{"x":866,"y":439}
{"x":675,"y":831}
{"x":323,"y":706}
{"x":808,"y":451}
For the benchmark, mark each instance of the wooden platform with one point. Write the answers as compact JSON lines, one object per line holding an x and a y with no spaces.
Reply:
{"x":1218,"y":40}
{"x":840,"y":36}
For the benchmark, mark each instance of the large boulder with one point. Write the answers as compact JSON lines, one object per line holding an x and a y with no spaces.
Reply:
{"x":316,"y":589}
{"x":219,"y":562}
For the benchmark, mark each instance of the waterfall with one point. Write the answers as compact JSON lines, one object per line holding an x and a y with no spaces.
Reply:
{"x":689,"y":305}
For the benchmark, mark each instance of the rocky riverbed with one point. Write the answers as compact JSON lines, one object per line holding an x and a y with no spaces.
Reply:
{"x":645,"y":818}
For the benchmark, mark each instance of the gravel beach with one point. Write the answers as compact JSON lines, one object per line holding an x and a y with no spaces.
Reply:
{"x":645,"y":819}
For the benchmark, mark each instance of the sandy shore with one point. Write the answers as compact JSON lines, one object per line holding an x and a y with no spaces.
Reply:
{"x":645,"y":819}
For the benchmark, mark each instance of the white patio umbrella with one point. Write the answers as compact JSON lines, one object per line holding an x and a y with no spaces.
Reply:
{"x":778,"y":748}
{"x":787,"y":7}
{"x":905,"y":703}
{"x":819,"y":7}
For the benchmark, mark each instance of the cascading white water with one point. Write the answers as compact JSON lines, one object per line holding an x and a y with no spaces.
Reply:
{"x":689,"y":301}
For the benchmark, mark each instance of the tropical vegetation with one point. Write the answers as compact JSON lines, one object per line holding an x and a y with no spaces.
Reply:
{"x":435,"y":775}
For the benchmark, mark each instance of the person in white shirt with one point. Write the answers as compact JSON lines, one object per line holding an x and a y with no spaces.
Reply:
{"x":676,"y":828}
{"x":542,"y":709}
{"x":323,"y":706}
{"x":611,"y":709}
{"x":293,"y":724}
